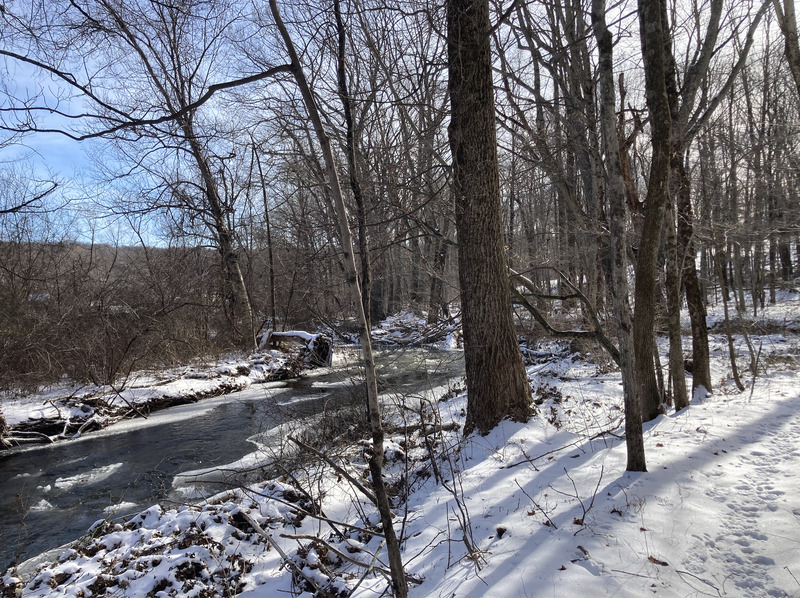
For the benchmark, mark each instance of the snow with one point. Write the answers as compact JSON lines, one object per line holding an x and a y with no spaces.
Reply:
{"x":542,"y":508}
{"x":82,"y":479}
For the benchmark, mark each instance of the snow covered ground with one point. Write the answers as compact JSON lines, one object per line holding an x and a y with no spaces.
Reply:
{"x":543,"y":508}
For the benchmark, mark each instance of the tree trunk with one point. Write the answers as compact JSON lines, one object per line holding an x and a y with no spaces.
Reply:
{"x":235,"y":290}
{"x":270,"y":252}
{"x":615,"y":190}
{"x":652,"y":40}
{"x":695,"y":301}
{"x":399,"y":582}
{"x":496,"y":382}
{"x":437,"y":307}
{"x":788,"y":25}
{"x":677,"y":371}
{"x":350,"y":150}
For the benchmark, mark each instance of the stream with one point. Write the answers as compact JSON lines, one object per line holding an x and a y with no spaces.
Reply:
{"x":51,"y":494}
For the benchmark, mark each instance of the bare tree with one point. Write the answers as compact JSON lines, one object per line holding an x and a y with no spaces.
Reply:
{"x":399,"y":583}
{"x":653,"y":40}
{"x":615,"y":189}
{"x":143,"y":70}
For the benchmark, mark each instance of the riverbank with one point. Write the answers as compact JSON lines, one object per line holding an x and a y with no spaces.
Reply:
{"x":68,"y":410}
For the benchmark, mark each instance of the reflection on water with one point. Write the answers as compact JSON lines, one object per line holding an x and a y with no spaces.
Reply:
{"x":50,"y":495}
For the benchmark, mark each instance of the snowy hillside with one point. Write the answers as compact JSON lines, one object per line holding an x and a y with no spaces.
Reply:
{"x":537,"y":509}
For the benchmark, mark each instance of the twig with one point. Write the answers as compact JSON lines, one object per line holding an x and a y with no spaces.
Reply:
{"x":792,"y":574}
{"x":629,"y":573}
{"x":338,"y":552}
{"x":293,"y":566}
{"x":550,"y":522}
{"x":596,"y":488}
{"x":369,"y":569}
{"x":610,"y":432}
{"x":705,"y":581}
{"x":755,"y":372}
{"x":338,"y":468}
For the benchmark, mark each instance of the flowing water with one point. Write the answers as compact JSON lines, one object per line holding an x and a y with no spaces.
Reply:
{"x":51,"y":494}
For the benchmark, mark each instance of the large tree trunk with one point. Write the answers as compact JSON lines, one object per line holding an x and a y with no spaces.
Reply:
{"x":615,"y":190}
{"x":496,"y":382}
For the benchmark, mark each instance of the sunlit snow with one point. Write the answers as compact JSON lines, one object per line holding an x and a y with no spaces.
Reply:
{"x":543,"y":508}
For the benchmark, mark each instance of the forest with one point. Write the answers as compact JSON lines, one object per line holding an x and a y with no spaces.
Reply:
{"x":605,"y":175}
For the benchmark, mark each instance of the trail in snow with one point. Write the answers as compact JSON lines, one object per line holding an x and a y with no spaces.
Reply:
{"x":754,"y":488}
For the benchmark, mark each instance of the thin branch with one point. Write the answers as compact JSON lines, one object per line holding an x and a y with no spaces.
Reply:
{"x":126,"y":121}
{"x":339,"y":469}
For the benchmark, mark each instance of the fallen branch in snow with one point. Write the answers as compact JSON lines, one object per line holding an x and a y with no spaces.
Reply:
{"x":128,"y":403}
{"x":530,"y":460}
{"x":705,"y":581}
{"x":289,"y":563}
{"x":303,"y":511}
{"x":597,"y":334}
{"x":427,"y":428}
{"x":338,"y":552}
{"x":789,"y":571}
{"x":338,"y":468}
{"x":634,"y":574}
{"x":550,"y":522}
{"x":86,"y":425}
{"x":26,"y":438}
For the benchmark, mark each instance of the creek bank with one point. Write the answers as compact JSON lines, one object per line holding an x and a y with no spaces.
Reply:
{"x":68,"y":411}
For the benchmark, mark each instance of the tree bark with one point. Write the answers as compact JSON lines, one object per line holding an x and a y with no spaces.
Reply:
{"x":677,"y":371}
{"x":496,"y":381}
{"x":695,"y":301}
{"x":652,"y":37}
{"x":788,"y":25}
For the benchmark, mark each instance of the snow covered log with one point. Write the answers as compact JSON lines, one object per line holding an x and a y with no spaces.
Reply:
{"x":315,"y":349}
{"x":3,"y":432}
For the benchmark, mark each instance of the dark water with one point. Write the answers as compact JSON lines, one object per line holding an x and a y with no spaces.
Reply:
{"x":50,"y":495}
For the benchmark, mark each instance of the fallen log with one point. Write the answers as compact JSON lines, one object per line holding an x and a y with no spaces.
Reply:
{"x":315,"y":349}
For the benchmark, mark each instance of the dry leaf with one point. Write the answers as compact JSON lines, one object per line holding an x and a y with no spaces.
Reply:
{"x":655,"y":561}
